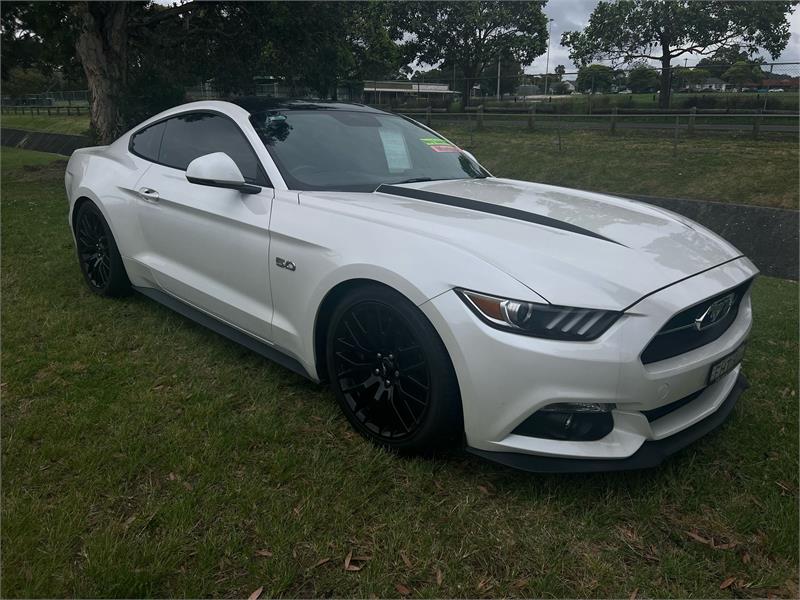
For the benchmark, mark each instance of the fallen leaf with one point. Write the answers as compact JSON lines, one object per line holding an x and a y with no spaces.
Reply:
{"x":699,"y":538}
{"x":263,"y":552}
{"x":633,"y":594}
{"x":745,"y":558}
{"x":520,"y":583}
{"x":727,"y":583}
{"x":483,"y":489}
{"x":256,"y":594}
{"x":439,"y":577}
{"x":403,"y":590}
{"x":406,"y":560}
{"x":322,"y":561}
{"x":172,"y":477}
{"x":728,"y":546}
{"x":347,"y":560}
{"x":187,"y":485}
{"x":128,"y":521}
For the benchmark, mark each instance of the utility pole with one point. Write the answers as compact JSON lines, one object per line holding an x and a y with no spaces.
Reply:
{"x":498,"y":79}
{"x":547,"y":64}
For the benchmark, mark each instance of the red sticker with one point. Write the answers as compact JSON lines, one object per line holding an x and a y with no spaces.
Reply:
{"x":444,"y":148}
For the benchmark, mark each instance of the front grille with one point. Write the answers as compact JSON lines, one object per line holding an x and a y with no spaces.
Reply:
{"x":680,"y":335}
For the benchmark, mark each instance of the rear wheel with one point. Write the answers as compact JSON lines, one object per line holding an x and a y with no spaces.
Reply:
{"x":391,"y":372}
{"x":99,"y":258}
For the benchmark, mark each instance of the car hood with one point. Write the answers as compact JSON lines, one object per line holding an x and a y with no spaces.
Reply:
{"x":587,"y":249}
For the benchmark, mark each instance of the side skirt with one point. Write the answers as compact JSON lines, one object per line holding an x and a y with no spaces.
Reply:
{"x":225,"y":330}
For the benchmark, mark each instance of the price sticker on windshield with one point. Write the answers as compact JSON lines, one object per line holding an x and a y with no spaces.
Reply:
{"x":394,"y":148}
{"x":439,"y":145}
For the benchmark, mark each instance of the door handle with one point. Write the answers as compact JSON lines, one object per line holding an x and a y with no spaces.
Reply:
{"x":148,"y":194}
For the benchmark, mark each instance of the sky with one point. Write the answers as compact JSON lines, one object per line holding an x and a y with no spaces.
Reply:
{"x":572,"y":15}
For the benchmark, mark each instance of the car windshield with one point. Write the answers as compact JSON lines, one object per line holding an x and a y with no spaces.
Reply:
{"x":356,"y":151}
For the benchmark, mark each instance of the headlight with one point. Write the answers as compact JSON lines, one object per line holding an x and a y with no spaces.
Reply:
{"x":540,"y":320}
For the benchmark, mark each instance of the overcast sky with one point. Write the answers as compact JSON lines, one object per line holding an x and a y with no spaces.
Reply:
{"x":571,"y":15}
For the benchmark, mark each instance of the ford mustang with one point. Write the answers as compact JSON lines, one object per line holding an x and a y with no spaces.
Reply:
{"x":545,"y":328}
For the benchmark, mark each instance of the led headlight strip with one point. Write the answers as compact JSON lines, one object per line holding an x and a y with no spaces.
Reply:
{"x":539,"y":320}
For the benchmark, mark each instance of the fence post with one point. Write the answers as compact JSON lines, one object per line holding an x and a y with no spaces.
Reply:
{"x":675,"y":139}
{"x":692,"y":114}
{"x":614,"y":121}
{"x":757,"y":125}
{"x":532,"y":117}
{"x":480,"y":117}
{"x":558,"y":129}
{"x":428,"y":116}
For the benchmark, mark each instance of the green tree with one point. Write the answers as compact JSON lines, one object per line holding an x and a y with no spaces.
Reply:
{"x":687,"y":77}
{"x":642,"y":78}
{"x":595,"y":79}
{"x":628,"y":30}
{"x":723,"y":58}
{"x":743,"y":72}
{"x":472,"y":35}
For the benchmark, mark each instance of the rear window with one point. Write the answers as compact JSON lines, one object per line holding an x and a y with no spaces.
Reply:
{"x":147,"y":142}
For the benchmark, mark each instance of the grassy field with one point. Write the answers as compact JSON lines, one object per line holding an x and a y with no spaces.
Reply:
{"x":724,"y":168}
{"x":74,"y":124}
{"x":633,"y":162}
{"x":145,"y":456}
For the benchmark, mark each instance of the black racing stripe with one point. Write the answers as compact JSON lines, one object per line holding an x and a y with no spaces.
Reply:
{"x":487,"y":207}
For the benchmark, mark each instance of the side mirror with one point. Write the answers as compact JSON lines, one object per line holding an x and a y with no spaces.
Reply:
{"x":218,"y":170}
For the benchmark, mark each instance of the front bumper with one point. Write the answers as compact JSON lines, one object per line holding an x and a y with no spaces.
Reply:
{"x":650,"y":454}
{"x":505,"y":378}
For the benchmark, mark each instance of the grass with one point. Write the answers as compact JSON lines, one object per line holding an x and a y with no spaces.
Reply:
{"x":145,"y":456}
{"x":73,"y":124}
{"x":723,"y":168}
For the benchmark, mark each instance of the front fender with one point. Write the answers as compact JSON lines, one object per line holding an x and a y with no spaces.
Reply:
{"x":330,"y":247}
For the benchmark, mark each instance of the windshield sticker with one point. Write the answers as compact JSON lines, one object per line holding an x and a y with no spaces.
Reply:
{"x":394,"y":148}
{"x":438,"y":144}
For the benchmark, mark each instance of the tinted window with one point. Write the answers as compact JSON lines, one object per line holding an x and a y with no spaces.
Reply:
{"x":196,"y":134}
{"x":356,"y":150}
{"x":147,"y":142}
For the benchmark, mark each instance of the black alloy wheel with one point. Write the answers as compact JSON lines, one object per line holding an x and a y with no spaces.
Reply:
{"x":99,"y":258}
{"x":391,"y":373}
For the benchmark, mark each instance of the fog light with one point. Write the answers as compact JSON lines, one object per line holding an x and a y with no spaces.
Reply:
{"x":569,"y":421}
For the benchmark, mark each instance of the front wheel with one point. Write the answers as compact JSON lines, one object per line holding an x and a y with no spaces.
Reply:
{"x":98,"y":255}
{"x":391,"y":372}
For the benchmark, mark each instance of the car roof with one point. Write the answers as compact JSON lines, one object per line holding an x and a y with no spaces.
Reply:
{"x":256,"y":104}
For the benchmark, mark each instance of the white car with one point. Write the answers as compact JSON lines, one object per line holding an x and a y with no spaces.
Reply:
{"x":544,"y":328}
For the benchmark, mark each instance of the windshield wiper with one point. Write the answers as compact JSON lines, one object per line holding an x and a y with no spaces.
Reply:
{"x":412,"y":180}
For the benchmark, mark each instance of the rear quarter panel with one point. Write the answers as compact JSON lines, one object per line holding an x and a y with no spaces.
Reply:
{"x":107,"y":176}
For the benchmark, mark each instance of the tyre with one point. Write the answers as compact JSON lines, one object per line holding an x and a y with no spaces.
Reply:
{"x":391,"y":373}
{"x":98,"y":255}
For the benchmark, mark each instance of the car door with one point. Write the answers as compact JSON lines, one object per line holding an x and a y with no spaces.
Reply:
{"x":208,"y":246}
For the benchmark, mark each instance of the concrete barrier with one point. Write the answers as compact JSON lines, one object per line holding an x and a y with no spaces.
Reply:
{"x":768,"y":236}
{"x":58,"y":143}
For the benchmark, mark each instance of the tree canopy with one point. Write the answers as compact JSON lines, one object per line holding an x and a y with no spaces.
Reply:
{"x":624,"y":31}
{"x":473,"y":35}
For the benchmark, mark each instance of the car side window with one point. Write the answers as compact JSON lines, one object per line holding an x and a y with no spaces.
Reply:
{"x":147,"y":142}
{"x":196,"y":134}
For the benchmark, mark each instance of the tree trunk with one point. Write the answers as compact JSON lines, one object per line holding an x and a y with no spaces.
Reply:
{"x":102,"y":46}
{"x":666,"y":81}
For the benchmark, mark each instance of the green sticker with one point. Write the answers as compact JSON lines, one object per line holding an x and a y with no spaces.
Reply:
{"x":434,"y":141}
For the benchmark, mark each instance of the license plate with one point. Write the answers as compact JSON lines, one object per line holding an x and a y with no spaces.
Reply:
{"x":725,"y":365}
